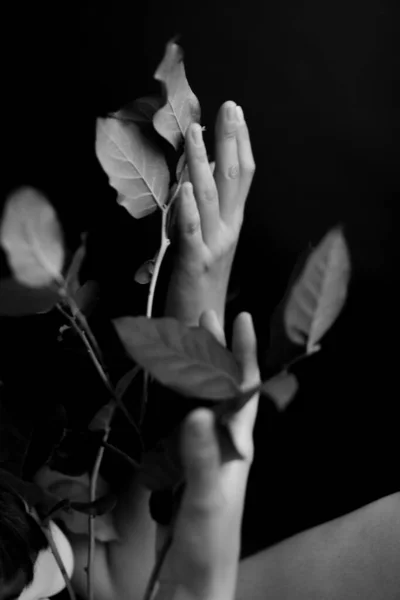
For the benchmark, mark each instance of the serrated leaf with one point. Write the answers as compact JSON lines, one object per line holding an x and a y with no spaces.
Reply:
{"x":144,"y":272}
{"x":281,"y":389}
{"x":31,"y":236}
{"x":318,"y":296}
{"x":17,"y":300}
{"x":188,"y":360}
{"x":181,"y":105}
{"x":135,"y":167}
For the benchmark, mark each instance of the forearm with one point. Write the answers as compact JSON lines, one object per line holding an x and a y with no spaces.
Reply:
{"x":355,"y":556}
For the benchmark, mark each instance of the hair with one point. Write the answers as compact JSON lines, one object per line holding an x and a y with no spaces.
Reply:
{"x":21,"y":538}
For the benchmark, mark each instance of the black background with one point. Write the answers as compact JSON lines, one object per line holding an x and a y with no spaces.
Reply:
{"x":319,"y":86}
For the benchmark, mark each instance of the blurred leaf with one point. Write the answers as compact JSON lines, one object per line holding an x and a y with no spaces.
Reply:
{"x":161,"y":468}
{"x":32,"y":493}
{"x":181,"y":106}
{"x":125,"y":381}
{"x":31,"y":236}
{"x":144,"y":272}
{"x":102,"y":419}
{"x":188,"y":360}
{"x":318,"y":296}
{"x":99,"y":507}
{"x":135,"y":167}
{"x":86,"y":297}
{"x":281,"y":389}
{"x":141,"y":110}
{"x":72,"y":278}
{"x":17,"y":300}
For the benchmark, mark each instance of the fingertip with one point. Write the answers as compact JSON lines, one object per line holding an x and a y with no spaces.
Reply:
{"x":245,"y":346}
{"x":209,"y":320}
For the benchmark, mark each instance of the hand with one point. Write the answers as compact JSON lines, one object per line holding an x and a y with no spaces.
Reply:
{"x":210,"y":215}
{"x":202,"y":561}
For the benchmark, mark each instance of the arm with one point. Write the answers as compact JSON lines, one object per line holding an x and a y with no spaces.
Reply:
{"x":210,"y":215}
{"x":355,"y":556}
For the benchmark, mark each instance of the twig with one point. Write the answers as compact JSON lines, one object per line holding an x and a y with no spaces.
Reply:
{"x":93,"y":485}
{"x":59,"y":562}
{"x":165,"y":242}
{"x":119,"y":452}
{"x":149,"y":594}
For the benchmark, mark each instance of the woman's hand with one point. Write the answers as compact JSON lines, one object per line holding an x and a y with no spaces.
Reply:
{"x":210,"y":215}
{"x":202,"y":561}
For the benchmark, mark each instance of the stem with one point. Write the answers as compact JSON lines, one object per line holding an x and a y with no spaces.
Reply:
{"x":101,"y":371}
{"x":89,"y":348}
{"x":93,"y":485}
{"x":119,"y":452}
{"x":59,"y":562}
{"x":165,"y":242}
{"x":149,"y":594}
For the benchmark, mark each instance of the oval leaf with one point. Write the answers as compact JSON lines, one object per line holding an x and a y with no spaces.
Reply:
{"x":281,"y":389}
{"x":17,"y":300}
{"x":318,"y":296}
{"x":188,"y":360}
{"x":181,"y":105}
{"x":144,"y":272}
{"x":31,"y":236}
{"x":135,"y":167}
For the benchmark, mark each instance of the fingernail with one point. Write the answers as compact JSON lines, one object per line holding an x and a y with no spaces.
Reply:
{"x":197,"y":136}
{"x":231,"y":112}
{"x":239,"y":114}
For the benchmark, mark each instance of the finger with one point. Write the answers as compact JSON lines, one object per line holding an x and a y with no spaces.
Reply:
{"x":227,"y":169}
{"x":210,"y":321}
{"x":246,"y":158}
{"x":201,"y":460}
{"x":244,"y":347}
{"x":204,"y":186}
{"x":189,"y":226}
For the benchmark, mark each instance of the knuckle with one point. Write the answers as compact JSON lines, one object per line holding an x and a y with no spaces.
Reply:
{"x":201,"y":155}
{"x":230,"y":133}
{"x":233,"y":172}
{"x":209,"y":195}
{"x":192,"y":228}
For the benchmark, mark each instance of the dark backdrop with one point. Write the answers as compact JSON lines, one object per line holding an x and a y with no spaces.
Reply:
{"x":319,"y":85}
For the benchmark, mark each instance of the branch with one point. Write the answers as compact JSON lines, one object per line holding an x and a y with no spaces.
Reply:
{"x":93,"y":485}
{"x":151,"y":586}
{"x":123,"y":455}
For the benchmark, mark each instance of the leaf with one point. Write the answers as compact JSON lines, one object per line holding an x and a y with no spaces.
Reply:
{"x":102,"y":419}
{"x":142,"y":110}
{"x":318,"y":296}
{"x":162,"y":468}
{"x":125,"y":381}
{"x":17,"y":300}
{"x":144,"y":272}
{"x":281,"y":389}
{"x":135,"y":167}
{"x":181,"y":105}
{"x":72,"y":277}
{"x":86,"y":297}
{"x":98,"y":507}
{"x":31,"y":236}
{"x":32,"y":493}
{"x":188,"y":360}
